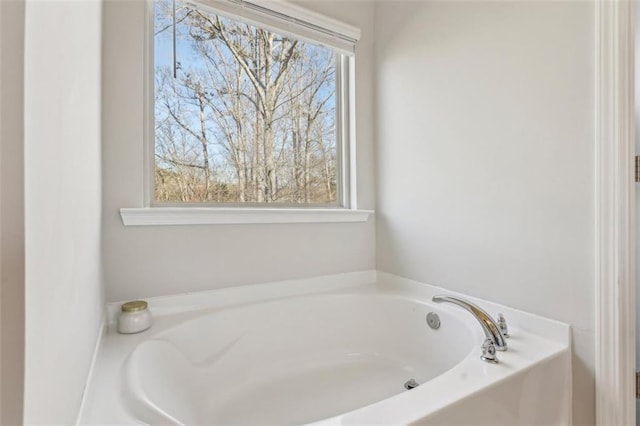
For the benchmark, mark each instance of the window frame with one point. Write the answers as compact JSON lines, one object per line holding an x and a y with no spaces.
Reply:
{"x":346,"y":198}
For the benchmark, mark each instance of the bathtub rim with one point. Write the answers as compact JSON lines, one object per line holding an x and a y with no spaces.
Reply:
{"x":383,"y":281}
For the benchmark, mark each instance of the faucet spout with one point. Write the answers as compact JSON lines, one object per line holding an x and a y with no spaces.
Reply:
{"x":489,"y":326}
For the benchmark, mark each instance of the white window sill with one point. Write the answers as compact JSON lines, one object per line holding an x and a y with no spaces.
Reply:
{"x":158,"y":216}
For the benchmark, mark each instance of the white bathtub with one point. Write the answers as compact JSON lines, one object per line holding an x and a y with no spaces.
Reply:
{"x":333,"y":350}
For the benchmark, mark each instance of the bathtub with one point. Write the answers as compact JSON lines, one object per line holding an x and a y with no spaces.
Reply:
{"x":332,"y":350}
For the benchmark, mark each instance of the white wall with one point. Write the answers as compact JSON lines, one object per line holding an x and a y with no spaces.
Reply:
{"x":145,"y":261}
{"x":485,"y":148}
{"x":64,"y":294}
{"x":11,"y":211}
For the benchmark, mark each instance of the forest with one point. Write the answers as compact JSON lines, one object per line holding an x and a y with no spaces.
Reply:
{"x":245,"y":116}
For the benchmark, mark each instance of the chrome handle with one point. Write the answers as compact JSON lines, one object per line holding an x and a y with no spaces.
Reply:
{"x":502,"y":323}
{"x":489,"y":352}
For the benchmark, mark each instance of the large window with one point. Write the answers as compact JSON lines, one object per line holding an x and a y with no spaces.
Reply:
{"x":246,"y":114}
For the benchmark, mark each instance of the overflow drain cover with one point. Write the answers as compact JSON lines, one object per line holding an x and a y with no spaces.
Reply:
{"x":433,"y":320}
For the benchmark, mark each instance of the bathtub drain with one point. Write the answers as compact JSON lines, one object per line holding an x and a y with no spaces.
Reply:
{"x":410,"y":384}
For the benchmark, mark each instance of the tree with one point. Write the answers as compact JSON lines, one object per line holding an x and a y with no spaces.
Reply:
{"x":250,"y":116}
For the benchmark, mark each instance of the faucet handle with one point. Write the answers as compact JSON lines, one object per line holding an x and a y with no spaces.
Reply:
{"x":489,"y":352}
{"x":502,"y":323}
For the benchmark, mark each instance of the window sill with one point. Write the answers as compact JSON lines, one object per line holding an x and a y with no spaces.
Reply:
{"x":162,"y":216}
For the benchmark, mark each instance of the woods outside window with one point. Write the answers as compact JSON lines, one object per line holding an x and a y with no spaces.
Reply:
{"x":250,"y":107}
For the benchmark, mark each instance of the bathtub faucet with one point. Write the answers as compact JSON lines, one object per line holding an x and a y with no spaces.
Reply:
{"x":494,"y":338}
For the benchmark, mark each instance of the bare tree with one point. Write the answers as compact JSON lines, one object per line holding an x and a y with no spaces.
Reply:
{"x":249,"y":118}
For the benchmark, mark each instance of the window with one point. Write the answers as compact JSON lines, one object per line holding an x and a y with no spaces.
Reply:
{"x":250,"y":106}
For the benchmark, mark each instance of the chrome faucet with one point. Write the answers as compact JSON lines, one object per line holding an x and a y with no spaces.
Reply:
{"x":494,"y":338}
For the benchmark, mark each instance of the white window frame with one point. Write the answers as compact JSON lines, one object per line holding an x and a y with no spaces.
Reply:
{"x":154,"y":213}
